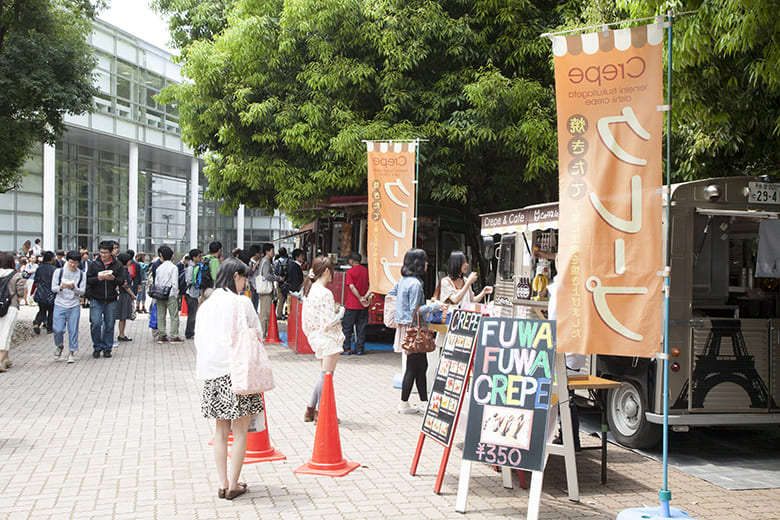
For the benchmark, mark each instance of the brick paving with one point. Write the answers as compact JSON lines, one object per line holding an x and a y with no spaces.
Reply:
{"x":123,"y":438}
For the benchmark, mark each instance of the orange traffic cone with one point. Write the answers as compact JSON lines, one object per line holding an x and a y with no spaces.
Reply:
{"x":258,"y":444}
{"x":273,"y":328}
{"x":183,"y":312}
{"x":326,"y":458}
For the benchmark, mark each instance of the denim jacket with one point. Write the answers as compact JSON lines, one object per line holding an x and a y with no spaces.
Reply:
{"x":409,"y":295}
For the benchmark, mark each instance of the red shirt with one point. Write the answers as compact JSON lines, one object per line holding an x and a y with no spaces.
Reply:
{"x":357,"y":276}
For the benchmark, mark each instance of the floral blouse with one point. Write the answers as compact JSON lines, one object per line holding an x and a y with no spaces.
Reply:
{"x":320,"y":320}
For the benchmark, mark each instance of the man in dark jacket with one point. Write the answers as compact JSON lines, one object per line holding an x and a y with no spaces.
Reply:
{"x":104,"y":278}
{"x":295,"y":271}
{"x":44,"y":296}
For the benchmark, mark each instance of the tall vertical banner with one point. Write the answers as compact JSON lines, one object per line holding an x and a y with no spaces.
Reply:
{"x":391,"y":205}
{"x":609,"y":93}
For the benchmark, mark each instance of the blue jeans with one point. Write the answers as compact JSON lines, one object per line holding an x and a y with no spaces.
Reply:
{"x":357,"y":318}
{"x":66,"y":316}
{"x":101,"y":324}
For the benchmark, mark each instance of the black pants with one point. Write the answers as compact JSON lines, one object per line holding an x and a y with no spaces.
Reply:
{"x":45,"y":315}
{"x":357,"y":319}
{"x":192,"y":311}
{"x":416,"y":366}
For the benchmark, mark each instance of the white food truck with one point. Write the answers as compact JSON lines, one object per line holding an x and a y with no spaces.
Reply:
{"x":724,"y":307}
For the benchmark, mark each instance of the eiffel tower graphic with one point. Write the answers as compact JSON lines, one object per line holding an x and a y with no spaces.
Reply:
{"x":712,"y":368}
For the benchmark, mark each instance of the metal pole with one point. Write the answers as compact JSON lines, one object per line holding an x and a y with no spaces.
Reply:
{"x":664,"y":494}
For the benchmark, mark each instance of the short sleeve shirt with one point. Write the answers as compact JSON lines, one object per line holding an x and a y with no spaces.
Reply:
{"x":357,"y":276}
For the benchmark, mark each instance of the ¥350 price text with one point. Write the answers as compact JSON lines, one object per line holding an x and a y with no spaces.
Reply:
{"x":501,"y":455}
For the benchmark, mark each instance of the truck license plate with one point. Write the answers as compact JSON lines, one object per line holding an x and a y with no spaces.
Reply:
{"x":764,"y":193}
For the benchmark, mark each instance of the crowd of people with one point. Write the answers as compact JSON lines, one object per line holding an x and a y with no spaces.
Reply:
{"x":239,"y":289}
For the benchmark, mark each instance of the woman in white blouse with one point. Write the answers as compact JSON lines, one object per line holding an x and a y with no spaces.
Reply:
{"x":321,"y":322}
{"x":456,"y":287}
{"x":213,"y":338}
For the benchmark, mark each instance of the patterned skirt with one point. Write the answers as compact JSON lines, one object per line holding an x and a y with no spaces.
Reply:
{"x":219,"y":402}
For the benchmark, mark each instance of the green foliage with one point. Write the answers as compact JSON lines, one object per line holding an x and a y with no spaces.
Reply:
{"x":283,"y":97}
{"x":725,"y":86}
{"x":193,"y":20}
{"x":45,"y":72}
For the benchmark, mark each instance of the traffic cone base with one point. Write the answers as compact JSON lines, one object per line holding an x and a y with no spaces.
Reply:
{"x":272,"y":335}
{"x":326,"y":458}
{"x":258,"y":445}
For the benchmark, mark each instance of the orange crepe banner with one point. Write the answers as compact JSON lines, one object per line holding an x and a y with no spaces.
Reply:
{"x":609,"y":90}
{"x":390,"y":212}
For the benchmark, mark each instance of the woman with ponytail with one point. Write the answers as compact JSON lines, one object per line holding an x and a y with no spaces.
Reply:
{"x":321,"y":322}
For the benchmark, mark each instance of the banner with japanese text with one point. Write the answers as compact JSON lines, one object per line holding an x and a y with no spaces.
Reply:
{"x":391,"y":207}
{"x":609,"y":88}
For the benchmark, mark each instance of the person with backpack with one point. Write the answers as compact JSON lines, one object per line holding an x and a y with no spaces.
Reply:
{"x":44,"y":296}
{"x":166,"y":291}
{"x":191,"y":293}
{"x":281,"y":269}
{"x":206,"y":271}
{"x":68,"y":284}
{"x":12,"y":290}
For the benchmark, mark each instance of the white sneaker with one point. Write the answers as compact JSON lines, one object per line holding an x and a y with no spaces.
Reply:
{"x":406,"y":408}
{"x":71,"y":359}
{"x":58,"y":352}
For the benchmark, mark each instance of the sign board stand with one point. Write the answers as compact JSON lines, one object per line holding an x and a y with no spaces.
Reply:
{"x":449,"y":387}
{"x":560,"y":390}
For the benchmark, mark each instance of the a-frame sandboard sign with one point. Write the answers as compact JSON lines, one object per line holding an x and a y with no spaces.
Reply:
{"x":449,"y":387}
{"x":513,"y":404}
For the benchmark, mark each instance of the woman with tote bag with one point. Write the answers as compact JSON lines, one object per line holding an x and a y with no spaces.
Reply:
{"x":223,"y":318}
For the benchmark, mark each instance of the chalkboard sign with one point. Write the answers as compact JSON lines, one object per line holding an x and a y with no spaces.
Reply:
{"x":453,"y":371}
{"x":511,"y":393}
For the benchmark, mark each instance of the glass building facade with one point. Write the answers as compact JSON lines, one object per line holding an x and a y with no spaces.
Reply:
{"x":122,"y":172}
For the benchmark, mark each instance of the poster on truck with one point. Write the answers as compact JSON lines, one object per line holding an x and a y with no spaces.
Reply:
{"x":511,"y":392}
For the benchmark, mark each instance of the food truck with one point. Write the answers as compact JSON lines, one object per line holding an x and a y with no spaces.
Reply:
{"x":344,"y":229}
{"x":724,"y":317}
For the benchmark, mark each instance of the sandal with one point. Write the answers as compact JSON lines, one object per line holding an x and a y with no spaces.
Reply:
{"x":221,"y":492}
{"x":230,"y":494}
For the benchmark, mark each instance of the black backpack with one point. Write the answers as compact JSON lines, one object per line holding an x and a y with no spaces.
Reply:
{"x":182,"y":279}
{"x":5,"y":295}
{"x":280,"y":269}
{"x":201,"y":275}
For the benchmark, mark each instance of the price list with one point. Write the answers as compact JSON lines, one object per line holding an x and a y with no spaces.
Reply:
{"x":451,"y":377}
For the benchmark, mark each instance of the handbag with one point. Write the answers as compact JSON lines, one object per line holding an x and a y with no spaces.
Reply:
{"x":388,"y":314}
{"x":418,"y":339}
{"x":153,"y":316}
{"x":264,"y":286}
{"x":160,"y":292}
{"x":440,"y":317}
{"x":250,"y":369}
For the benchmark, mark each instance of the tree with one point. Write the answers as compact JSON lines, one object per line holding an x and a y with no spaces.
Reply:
{"x":45,"y":72}
{"x":282,"y":98}
{"x":193,"y":20}
{"x":725,"y":83}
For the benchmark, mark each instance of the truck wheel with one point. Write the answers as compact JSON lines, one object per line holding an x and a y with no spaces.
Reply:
{"x":626,"y":407}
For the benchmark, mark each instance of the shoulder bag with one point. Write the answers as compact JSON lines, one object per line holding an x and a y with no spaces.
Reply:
{"x":250,"y":369}
{"x":263,"y":285}
{"x":418,"y":339}
{"x":388,"y":314}
{"x":159,"y":292}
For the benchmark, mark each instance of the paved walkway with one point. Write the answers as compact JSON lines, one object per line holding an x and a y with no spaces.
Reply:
{"x":123,"y":438}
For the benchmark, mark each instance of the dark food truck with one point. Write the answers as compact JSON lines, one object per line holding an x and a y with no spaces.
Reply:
{"x":724,"y":312}
{"x":439,"y":232}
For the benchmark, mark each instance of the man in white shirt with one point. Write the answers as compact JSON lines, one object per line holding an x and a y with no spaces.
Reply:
{"x":167,"y":275}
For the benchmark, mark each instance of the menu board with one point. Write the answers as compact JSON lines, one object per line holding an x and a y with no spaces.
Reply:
{"x":511,"y":392}
{"x":451,"y":377}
